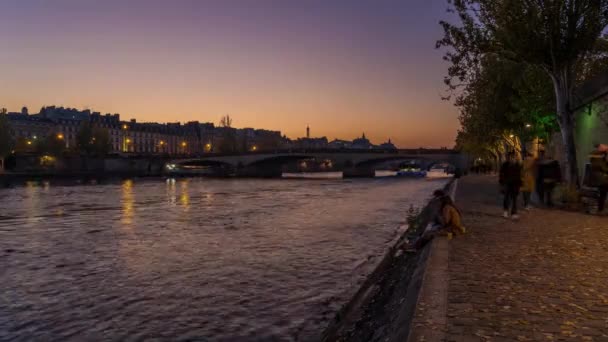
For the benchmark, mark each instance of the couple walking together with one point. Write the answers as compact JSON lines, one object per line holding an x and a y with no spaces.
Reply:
{"x":532,"y":174}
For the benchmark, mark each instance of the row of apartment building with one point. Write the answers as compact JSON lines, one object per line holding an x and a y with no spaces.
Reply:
{"x":140,"y":137}
{"x":191,"y":138}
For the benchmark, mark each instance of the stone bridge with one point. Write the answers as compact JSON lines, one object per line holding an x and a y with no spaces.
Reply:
{"x":353,"y":163}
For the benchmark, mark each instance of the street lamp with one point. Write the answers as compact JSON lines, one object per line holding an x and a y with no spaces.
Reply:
{"x":126,"y":140}
{"x":254,"y":148}
{"x":60,"y":136}
{"x":528,"y":125}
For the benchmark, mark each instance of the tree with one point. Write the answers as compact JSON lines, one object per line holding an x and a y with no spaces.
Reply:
{"x":502,"y":107}
{"x":226,"y":121}
{"x":101,"y":141}
{"x":92,"y":140}
{"x":228,"y":143}
{"x":6,"y":141}
{"x":52,"y":145}
{"x":560,"y":37}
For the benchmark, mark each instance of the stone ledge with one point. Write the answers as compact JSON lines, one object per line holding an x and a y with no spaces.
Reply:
{"x":429,"y":321}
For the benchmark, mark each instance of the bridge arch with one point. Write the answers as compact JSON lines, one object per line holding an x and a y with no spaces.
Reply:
{"x":279,"y":159}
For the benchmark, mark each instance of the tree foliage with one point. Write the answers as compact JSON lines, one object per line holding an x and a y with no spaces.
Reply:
{"x":51,"y":145}
{"x":6,"y":142}
{"x":92,"y":140}
{"x":559,"y":37}
{"x":504,"y":106}
{"x":228,"y":142}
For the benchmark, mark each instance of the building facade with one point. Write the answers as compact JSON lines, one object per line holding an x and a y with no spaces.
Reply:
{"x":134,"y":137}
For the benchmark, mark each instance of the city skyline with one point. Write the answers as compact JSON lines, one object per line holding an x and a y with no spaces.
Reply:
{"x":340,"y":68}
{"x":76,"y":116}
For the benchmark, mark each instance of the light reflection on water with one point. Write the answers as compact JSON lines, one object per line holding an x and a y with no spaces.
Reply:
{"x":190,"y":258}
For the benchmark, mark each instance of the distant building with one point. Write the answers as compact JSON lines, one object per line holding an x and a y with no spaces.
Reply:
{"x":26,"y":129}
{"x":311,"y":143}
{"x":387,"y":146}
{"x":340,"y":144}
{"x":362,"y":143}
{"x":134,"y":137}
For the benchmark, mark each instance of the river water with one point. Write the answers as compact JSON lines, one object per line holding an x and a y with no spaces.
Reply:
{"x":191,"y":259}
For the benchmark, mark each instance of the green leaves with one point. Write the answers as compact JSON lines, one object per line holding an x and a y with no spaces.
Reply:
{"x":514,"y":65}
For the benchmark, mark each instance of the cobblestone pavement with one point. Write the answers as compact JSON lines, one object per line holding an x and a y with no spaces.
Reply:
{"x":542,"y":278}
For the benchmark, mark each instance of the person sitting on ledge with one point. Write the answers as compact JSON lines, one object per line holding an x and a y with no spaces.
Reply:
{"x":450,"y":224}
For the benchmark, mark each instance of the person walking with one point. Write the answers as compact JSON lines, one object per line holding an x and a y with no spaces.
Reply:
{"x":552,"y":175}
{"x":528,"y":172}
{"x":540,"y":179}
{"x":599,"y":175}
{"x":510,"y":181}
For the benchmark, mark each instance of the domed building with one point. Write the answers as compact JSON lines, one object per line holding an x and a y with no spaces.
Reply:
{"x":387,"y":145}
{"x":362,"y":143}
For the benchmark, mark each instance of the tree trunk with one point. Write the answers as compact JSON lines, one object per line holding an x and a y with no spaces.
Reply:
{"x":566,"y":125}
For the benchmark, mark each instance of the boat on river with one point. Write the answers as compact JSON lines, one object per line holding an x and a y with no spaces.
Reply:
{"x":411,"y":172}
{"x":194,"y":170}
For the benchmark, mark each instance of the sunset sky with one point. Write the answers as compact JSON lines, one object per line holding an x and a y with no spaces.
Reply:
{"x":340,"y":66}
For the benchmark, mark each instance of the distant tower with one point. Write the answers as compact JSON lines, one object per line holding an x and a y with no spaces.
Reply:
{"x":363,"y":135}
{"x":24,"y":111}
{"x":307,"y":132}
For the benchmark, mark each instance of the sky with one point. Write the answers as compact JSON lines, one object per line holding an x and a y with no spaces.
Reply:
{"x":342,"y":67}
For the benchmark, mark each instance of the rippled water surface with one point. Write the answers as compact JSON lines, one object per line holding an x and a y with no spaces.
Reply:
{"x":192,"y":259}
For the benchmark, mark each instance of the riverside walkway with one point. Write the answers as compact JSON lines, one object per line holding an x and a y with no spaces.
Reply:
{"x":542,"y":278}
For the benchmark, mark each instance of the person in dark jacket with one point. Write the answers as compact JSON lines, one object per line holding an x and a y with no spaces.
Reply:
{"x":540,"y":190}
{"x":510,"y":181}
{"x":550,"y":174}
{"x":599,"y":175}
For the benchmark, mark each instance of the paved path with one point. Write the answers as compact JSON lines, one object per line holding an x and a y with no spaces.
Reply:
{"x":543,"y":278}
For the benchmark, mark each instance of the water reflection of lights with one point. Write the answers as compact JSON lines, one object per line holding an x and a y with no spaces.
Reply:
{"x":127,"y":202}
{"x":184,"y":198}
{"x":171,"y":197}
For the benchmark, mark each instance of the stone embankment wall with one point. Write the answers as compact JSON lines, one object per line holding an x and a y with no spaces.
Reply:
{"x":383,"y":307}
{"x":79,"y":165}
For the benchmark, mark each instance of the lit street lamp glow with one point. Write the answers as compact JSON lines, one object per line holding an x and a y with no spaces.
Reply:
{"x":60,"y":136}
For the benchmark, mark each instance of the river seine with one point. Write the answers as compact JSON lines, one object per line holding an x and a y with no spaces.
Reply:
{"x":191,"y":259}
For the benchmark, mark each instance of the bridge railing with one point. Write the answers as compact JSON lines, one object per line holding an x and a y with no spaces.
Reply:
{"x":418,"y":151}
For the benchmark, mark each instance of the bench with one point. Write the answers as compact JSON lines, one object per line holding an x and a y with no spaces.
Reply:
{"x":588,"y":195}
